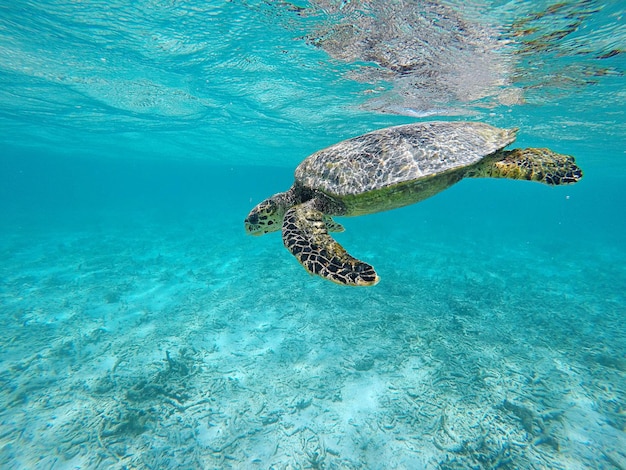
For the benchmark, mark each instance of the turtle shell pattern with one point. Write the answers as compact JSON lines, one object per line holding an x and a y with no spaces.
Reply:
{"x":399,"y":154}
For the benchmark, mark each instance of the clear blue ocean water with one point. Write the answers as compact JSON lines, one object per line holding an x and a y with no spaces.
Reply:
{"x":141,"y":328}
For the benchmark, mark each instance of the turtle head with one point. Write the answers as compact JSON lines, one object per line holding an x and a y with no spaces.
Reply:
{"x":267,"y":216}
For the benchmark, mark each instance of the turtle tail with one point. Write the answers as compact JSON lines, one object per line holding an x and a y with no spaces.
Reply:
{"x":532,"y":164}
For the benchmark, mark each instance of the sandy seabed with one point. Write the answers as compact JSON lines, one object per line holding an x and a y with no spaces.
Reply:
{"x":186,"y":347}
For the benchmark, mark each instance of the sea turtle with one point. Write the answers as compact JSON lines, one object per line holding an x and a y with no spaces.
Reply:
{"x":386,"y":169}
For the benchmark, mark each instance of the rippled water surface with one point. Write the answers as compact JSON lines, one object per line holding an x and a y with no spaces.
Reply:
{"x":141,"y":328}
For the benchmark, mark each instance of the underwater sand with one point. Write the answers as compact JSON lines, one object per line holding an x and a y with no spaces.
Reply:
{"x":168,"y":344}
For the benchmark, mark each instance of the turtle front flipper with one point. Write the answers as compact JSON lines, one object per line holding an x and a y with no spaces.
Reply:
{"x":333,"y":225}
{"x":533,"y":164}
{"x":305,"y":235}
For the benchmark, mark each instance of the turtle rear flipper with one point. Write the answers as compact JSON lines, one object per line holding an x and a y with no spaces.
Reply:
{"x":533,"y":164}
{"x":305,"y":235}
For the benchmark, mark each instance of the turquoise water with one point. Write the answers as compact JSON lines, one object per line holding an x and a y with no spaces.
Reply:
{"x":141,"y":328}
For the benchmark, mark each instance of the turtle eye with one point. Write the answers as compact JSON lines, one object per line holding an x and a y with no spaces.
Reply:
{"x":253,"y":219}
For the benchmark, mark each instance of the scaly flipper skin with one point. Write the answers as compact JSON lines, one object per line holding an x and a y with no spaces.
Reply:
{"x":305,"y":235}
{"x":532,"y":164}
{"x":332,"y":225}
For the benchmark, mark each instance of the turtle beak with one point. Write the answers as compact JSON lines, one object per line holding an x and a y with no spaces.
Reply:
{"x":254,"y":232}
{"x":251,"y":225}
